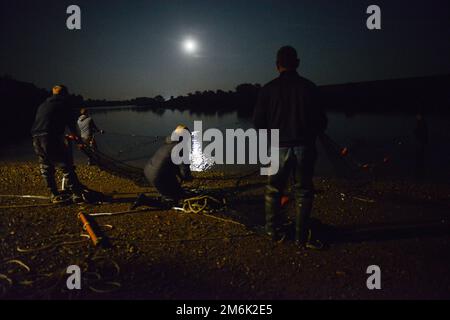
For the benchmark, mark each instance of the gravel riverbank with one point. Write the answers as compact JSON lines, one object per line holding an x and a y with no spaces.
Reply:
{"x":402,"y":227}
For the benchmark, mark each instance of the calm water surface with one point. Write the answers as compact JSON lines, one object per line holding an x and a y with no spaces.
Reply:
{"x":386,"y":141}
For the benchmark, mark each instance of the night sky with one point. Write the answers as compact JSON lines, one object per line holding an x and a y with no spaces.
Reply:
{"x":129,"y":49}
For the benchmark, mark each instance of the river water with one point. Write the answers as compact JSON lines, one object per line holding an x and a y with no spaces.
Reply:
{"x":385,"y":142}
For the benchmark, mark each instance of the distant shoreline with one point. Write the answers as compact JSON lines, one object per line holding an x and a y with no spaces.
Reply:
{"x":429,"y":95}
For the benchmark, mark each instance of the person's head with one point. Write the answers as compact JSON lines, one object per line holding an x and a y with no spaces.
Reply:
{"x":84,"y":112}
{"x":59,"y":90}
{"x":179,"y":131}
{"x":181,"y":127}
{"x":287,"y":59}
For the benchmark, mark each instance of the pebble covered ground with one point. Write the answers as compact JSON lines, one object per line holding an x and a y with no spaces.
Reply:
{"x":401,"y":226}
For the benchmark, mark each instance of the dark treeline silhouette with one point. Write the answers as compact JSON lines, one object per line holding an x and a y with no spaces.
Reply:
{"x":241,"y":100}
{"x":20,"y":100}
{"x":139,"y":102}
{"x":412,"y":95}
{"x":422,"y":94}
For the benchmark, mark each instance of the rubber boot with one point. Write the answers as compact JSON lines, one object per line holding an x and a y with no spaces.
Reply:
{"x":73,"y":185}
{"x":303,"y":231}
{"x":141,"y":200}
{"x":272,"y":208}
{"x":303,"y":213}
{"x":48,"y":174}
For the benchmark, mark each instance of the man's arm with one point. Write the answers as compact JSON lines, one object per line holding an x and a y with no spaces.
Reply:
{"x":94,"y":126}
{"x":73,"y":107}
{"x":260,"y":112}
{"x":72,"y":123}
{"x":320,"y":117}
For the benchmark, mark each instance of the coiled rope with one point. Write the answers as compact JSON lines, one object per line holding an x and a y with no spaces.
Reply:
{"x":199,"y":203}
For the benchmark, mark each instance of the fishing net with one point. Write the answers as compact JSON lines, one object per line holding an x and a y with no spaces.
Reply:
{"x":115,"y":167}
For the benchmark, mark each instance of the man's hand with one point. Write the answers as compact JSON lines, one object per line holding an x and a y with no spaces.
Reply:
{"x":80,"y":143}
{"x":78,"y":140}
{"x":73,"y":137}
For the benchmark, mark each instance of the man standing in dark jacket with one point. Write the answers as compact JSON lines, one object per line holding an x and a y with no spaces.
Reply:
{"x":52,"y":118}
{"x":290,"y":103}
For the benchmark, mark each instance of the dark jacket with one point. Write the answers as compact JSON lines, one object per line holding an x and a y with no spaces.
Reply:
{"x":291,"y":104}
{"x":160,"y":167}
{"x":53,"y":116}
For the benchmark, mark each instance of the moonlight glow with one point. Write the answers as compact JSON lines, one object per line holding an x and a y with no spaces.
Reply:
{"x":190,"y":46}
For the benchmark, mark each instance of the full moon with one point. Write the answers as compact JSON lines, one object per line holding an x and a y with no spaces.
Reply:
{"x":190,"y":46}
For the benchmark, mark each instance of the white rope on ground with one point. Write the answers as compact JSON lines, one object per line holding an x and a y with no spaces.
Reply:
{"x":30,"y":205}
{"x":24,"y":196}
{"x":101,"y":214}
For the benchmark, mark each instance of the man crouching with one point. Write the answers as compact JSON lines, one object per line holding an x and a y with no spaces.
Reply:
{"x":165,"y":175}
